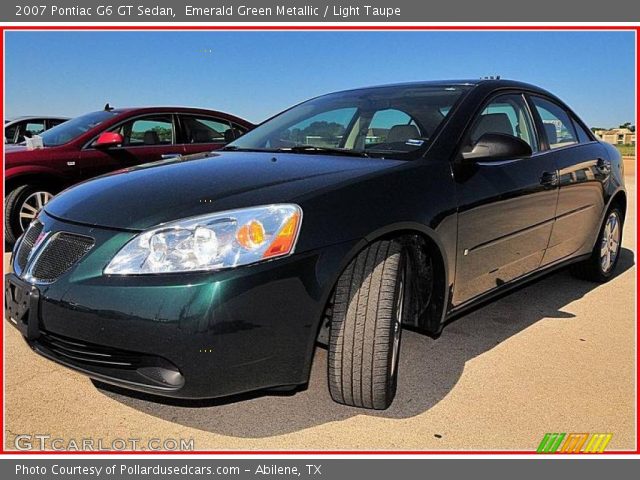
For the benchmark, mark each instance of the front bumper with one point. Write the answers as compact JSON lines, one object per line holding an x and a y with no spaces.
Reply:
{"x":185,"y":336}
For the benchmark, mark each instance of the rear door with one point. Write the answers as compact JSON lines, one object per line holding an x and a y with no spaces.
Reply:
{"x":506,"y":208}
{"x":147,"y":138}
{"x":203,"y":133}
{"x":582,"y":169}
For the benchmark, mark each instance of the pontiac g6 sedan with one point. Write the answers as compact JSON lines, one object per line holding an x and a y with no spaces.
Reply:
{"x":339,"y":221}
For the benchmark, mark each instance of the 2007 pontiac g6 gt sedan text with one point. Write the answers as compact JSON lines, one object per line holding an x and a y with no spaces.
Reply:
{"x":338,"y":221}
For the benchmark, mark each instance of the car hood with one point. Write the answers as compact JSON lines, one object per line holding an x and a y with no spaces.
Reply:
{"x":152,"y":194}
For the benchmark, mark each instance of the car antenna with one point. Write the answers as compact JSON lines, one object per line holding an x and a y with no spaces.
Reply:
{"x":491,"y":77}
{"x":107,"y":107}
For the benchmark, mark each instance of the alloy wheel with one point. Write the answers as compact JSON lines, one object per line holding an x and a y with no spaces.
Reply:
{"x":610,"y":244}
{"x":31,"y":207}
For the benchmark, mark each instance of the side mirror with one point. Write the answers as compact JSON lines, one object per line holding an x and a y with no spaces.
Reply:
{"x":108,"y":140}
{"x":498,"y":146}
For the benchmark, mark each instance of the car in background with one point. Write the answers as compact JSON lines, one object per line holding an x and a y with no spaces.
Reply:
{"x":101,"y":142}
{"x":16,"y":130}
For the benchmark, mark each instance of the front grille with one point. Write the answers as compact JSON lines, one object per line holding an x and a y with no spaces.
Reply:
{"x":60,"y":253}
{"x":30,"y":237}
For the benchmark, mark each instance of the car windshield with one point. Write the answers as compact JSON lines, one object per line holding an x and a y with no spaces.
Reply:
{"x":394,"y":122}
{"x":72,"y":129}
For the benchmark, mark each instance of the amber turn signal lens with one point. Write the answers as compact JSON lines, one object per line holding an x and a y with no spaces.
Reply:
{"x":251,"y":235}
{"x":283,"y":242}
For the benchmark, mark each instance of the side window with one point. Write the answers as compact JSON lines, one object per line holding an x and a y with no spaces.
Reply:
{"x":153,"y":130}
{"x":508,"y":115}
{"x":391,"y":126}
{"x":583,"y":136}
{"x":10,"y":133}
{"x":557,"y":124}
{"x":31,"y":128}
{"x":206,"y":130}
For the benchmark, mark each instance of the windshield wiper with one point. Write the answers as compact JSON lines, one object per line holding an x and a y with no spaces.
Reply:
{"x":328,"y":150}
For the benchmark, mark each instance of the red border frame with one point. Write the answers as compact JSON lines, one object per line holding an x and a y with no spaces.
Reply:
{"x":261,"y":27}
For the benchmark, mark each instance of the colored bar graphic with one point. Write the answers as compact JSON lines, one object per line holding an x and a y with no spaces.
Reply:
{"x":598,"y":442}
{"x":574,"y":443}
{"x":543,"y":443}
{"x":550,"y":442}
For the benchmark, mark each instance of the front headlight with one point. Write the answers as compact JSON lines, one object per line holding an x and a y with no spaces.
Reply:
{"x":211,"y":242}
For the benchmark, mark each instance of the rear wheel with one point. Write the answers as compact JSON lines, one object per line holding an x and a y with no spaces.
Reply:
{"x":599,"y":267}
{"x":22,"y":205}
{"x":366,"y":326}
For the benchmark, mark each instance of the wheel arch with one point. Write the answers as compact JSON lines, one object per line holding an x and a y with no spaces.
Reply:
{"x":423,"y":243}
{"x":420,"y":240}
{"x":619,"y":199}
{"x":40,"y":176}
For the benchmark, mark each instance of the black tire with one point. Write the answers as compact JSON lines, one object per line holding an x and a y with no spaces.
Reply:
{"x":364,"y":337}
{"x":13,"y":203}
{"x":593,"y":269}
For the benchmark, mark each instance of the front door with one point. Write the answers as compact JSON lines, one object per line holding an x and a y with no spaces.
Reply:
{"x":506,"y":208}
{"x":146,"y":139}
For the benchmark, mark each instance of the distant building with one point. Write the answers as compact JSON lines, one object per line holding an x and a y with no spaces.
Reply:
{"x":617,"y":136}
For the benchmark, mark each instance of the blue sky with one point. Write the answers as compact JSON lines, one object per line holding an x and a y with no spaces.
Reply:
{"x":257,"y":74}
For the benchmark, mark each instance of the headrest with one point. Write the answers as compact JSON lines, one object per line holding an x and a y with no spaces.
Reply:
{"x":151,"y":137}
{"x":402,"y":133}
{"x":229,"y":135}
{"x":201,"y":136}
{"x":493,"y":123}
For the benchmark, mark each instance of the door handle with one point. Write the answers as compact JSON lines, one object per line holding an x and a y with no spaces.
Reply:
{"x":549,"y":179}
{"x":167,"y":156}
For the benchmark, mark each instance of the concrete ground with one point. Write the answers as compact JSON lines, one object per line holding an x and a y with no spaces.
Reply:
{"x":556,"y":356}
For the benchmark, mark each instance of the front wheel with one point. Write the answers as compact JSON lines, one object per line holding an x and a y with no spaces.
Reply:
{"x":599,"y":267}
{"x":22,"y":205}
{"x":366,"y":325}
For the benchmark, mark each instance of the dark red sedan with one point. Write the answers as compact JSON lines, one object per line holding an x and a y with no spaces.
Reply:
{"x":103,"y":141}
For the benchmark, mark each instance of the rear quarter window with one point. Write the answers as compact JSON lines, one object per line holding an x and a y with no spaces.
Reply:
{"x":583,"y":136}
{"x":558,"y":126}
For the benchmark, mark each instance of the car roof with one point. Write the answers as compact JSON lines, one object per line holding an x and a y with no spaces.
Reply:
{"x":178,"y":109}
{"x":488,"y":83}
{"x":28,"y":117}
{"x":164,"y":108}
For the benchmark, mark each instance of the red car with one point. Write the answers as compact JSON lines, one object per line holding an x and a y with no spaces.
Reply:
{"x":100,"y":142}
